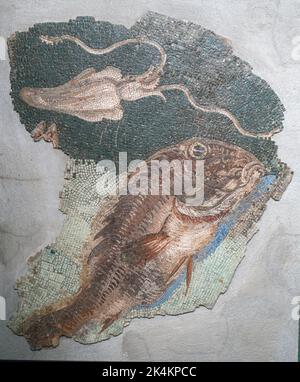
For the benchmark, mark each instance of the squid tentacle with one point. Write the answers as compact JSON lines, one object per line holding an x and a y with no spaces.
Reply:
{"x":101,"y":51}
{"x":217,"y":110}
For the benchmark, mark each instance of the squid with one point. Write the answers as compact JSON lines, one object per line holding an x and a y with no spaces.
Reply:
{"x":94,"y":96}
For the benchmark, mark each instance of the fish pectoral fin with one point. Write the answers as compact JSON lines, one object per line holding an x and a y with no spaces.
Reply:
{"x":146,"y":249}
{"x":152,"y":245}
{"x":189,"y":271}
{"x":176,"y":268}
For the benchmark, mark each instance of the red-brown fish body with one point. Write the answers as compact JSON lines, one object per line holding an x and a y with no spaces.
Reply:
{"x":147,"y":240}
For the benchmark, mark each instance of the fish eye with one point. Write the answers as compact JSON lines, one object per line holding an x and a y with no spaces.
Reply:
{"x":198,"y":150}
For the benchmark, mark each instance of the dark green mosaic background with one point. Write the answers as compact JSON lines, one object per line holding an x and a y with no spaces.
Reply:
{"x":196,"y":57}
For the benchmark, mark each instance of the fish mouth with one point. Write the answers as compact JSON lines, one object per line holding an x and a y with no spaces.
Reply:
{"x":250,"y":177}
{"x":230,"y":174}
{"x":225,"y":201}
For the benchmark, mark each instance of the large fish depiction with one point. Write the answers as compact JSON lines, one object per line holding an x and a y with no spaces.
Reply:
{"x":146,"y":241}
